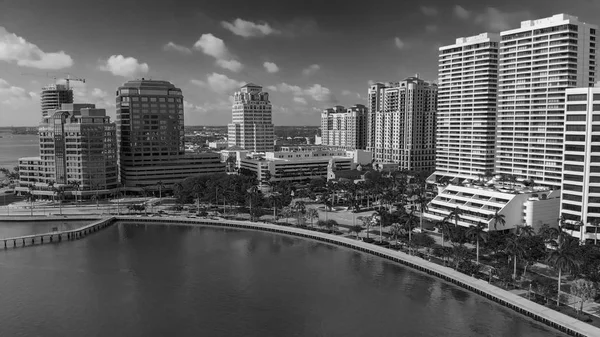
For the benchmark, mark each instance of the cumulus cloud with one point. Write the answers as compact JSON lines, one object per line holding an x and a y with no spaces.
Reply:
{"x":215,"y":47}
{"x":16,"y":49}
{"x":120,"y":65}
{"x":461,"y":12}
{"x":232,"y":65}
{"x":222,"y":84}
{"x":97,"y":96}
{"x":313,"y":68}
{"x":399,"y":43}
{"x":300,"y":100}
{"x":171,"y":46}
{"x":271,"y":67}
{"x":248,"y":29}
{"x":199,"y":83}
{"x":429,"y":11}
{"x":495,"y":20}
{"x":350,"y":93}
{"x":9,"y":92}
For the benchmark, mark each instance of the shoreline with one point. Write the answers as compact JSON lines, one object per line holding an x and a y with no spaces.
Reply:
{"x":561,"y":322}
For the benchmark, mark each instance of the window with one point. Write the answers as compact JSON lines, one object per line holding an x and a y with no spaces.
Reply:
{"x":576,"y":168}
{"x":594,"y":179}
{"x":577,"y":97}
{"x":577,"y":107}
{"x":569,"y":187}
{"x":594,"y":189}
{"x":595,"y":159}
{"x":572,"y":177}
{"x":575,"y":138}
{"x":575,"y":128}
{"x":573,"y":157}
{"x":576,"y":118}
{"x":576,"y":148}
{"x":571,"y":207}
{"x":571,"y":197}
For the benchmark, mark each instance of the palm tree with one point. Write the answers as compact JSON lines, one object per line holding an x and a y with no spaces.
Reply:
{"x":356,"y":229}
{"x":300,"y":207}
{"x":498,"y":218}
{"x":58,"y":192}
{"x":456,"y":215}
{"x":51,"y":186}
{"x":444,"y":228}
{"x":395,"y":231}
{"x":313,"y":214}
{"x":366,"y":222}
{"x":410,"y":222}
{"x":378,"y":217}
{"x":477,"y":232}
{"x":595,"y":223}
{"x":76,"y":184}
{"x":160,"y":186}
{"x":564,"y":258}
{"x":287,"y":212}
{"x":31,"y":196}
{"x":516,"y":249}
{"x":525,"y":230}
{"x":422,"y":202}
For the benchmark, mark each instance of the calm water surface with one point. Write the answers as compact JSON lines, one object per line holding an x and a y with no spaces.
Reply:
{"x":18,"y":228}
{"x":13,"y":147}
{"x":132,"y":280}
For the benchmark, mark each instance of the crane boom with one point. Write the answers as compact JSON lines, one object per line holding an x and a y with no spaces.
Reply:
{"x":68,"y":79}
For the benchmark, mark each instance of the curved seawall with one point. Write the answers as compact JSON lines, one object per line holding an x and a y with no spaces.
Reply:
{"x":557,"y":320}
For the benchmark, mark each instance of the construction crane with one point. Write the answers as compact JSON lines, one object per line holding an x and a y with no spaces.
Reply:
{"x":57,"y":78}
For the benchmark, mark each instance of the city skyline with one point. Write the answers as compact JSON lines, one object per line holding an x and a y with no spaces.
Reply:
{"x":306,"y":55}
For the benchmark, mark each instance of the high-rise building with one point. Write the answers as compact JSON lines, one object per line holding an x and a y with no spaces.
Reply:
{"x":538,"y":61}
{"x":150,"y":137}
{"x":251,"y":127}
{"x":53,"y":96}
{"x":375,"y":100}
{"x":466,"y":111}
{"x":405,"y":124}
{"x":580,"y":199}
{"x":345,"y":128}
{"x":78,"y":153}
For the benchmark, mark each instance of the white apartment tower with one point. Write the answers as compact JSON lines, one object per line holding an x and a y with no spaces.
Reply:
{"x":345,"y":128}
{"x":405,"y":124}
{"x":466,"y":111}
{"x":251,"y":127}
{"x":538,"y":61}
{"x":375,"y":98}
{"x":580,"y":199}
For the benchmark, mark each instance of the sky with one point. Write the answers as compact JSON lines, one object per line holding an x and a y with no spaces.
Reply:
{"x":309,"y":55}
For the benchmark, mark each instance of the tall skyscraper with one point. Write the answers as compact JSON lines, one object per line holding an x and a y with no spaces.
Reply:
{"x":150,"y":137}
{"x":251,"y":127}
{"x":375,"y":98}
{"x":405,"y":124}
{"x":345,"y":128}
{"x":466,"y":112}
{"x":78,"y":153}
{"x":538,"y":61}
{"x":580,"y":199}
{"x":53,"y":96}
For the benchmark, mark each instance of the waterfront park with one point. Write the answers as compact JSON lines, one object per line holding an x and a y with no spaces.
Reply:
{"x":547,"y":266}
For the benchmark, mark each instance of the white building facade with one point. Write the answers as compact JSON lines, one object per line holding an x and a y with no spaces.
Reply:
{"x":538,"y":61}
{"x":344,"y":127}
{"x":251,"y":127}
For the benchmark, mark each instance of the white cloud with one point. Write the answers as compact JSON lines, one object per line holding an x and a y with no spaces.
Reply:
{"x":199,"y":83}
{"x":272,"y":88}
{"x":8,"y":91}
{"x":284,"y":87}
{"x":97,"y":96}
{"x":212,"y":46}
{"x":215,"y":47}
{"x":370,"y":82}
{"x":461,"y":12}
{"x":249,"y":29}
{"x":350,"y":93}
{"x":429,"y":11}
{"x":232,"y":65}
{"x":171,"y":46}
{"x":14,"y":48}
{"x":317,"y":92}
{"x":300,"y":100}
{"x":271,"y":67}
{"x":120,"y":65}
{"x":313,"y":68}
{"x":399,"y":43}
{"x":495,"y":20}
{"x":222,"y":84}
{"x":431,"y":28}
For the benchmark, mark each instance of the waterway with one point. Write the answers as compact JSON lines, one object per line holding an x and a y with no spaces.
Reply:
{"x":13,"y":147}
{"x":153,"y":280}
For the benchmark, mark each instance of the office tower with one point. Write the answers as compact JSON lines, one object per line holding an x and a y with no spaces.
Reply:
{"x":53,"y":96}
{"x":150,"y":137}
{"x":375,"y":98}
{"x":78,"y":153}
{"x":251,"y":127}
{"x":405,"y":125}
{"x":580,"y":205}
{"x":466,"y":112}
{"x":345,"y":128}
{"x":538,"y":61}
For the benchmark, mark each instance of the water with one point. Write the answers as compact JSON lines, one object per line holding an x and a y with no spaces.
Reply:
{"x":10,"y":229}
{"x":13,"y":147}
{"x":181,"y":281}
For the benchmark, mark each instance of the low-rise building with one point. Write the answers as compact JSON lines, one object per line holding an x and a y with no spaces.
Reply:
{"x":302,"y":165}
{"x":520,"y":206}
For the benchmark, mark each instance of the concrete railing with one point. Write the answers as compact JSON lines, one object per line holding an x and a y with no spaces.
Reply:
{"x":540,"y":313}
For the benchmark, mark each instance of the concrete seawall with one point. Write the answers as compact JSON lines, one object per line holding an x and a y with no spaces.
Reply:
{"x":540,"y":313}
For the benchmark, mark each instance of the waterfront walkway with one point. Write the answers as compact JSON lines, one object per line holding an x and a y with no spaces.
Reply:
{"x":557,"y":320}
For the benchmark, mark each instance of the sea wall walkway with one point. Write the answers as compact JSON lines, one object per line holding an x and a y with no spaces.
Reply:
{"x":540,"y":313}
{"x":58,"y":236}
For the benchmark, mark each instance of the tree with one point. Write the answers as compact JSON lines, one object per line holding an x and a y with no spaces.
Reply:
{"x":595,"y":223}
{"x":422,"y":201}
{"x":459,"y":254}
{"x":356,"y":229}
{"x":515,"y":249}
{"x":423,"y":240}
{"x":76,"y":184}
{"x":590,"y":261}
{"x":312,"y":214}
{"x":410,"y":222}
{"x":456,"y":215}
{"x":300,"y":208}
{"x":585,"y":290}
{"x":534,"y":250}
{"x":287,"y":212}
{"x":444,"y":227}
{"x":525,"y":230}
{"x":160,"y":186}
{"x":563,"y":258}
{"x":477,"y":232}
{"x":378,"y":216}
{"x":498,"y":218}
{"x":366,"y":222}
{"x":395,"y":231}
